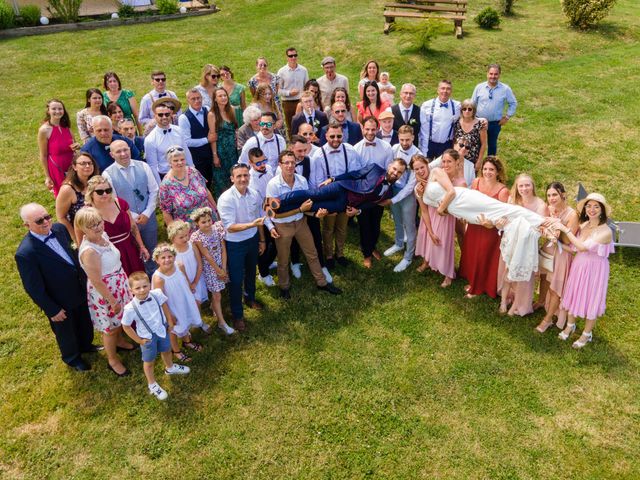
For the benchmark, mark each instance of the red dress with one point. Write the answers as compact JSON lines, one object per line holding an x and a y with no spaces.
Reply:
{"x":59,"y":155}
{"x":480,"y":257}
{"x":120,"y":235}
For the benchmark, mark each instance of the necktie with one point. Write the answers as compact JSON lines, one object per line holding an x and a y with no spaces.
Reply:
{"x":51,"y":236}
{"x":310,"y":120}
{"x":165,"y":131}
{"x":145,"y":301}
{"x":444,"y":105}
{"x":160,"y":95}
{"x":370,"y":144}
{"x":406,"y":116}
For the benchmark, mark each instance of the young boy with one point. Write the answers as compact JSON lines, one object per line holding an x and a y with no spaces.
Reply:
{"x":149,"y":311}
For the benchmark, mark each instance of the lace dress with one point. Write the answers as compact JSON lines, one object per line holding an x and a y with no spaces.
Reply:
{"x":472,"y":139}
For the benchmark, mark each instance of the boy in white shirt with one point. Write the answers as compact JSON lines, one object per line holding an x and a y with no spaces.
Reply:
{"x":150,"y":311}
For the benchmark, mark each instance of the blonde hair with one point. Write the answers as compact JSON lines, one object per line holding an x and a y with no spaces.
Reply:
{"x":176,"y":228}
{"x":198,"y":213}
{"x":86,"y":216}
{"x":163,"y":247}
{"x":207,"y":70}
{"x":92,"y":183}
{"x":515,"y":194}
{"x":137,"y":277}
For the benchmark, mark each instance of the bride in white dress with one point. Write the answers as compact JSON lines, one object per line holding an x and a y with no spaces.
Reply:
{"x":521,"y":227}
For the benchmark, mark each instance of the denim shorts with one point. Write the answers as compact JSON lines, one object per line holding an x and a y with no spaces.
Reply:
{"x":157,"y":345}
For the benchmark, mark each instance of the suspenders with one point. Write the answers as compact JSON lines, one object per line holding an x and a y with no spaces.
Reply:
{"x":326,"y":161}
{"x":433,"y":106}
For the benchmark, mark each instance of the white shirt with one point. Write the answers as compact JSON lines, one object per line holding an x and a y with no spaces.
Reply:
{"x":379,"y":153}
{"x":150,"y":312}
{"x":405,"y":155}
{"x":146,"y":114}
{"x":291,"y":78}
{"x":185,"y":126}
{"x":407,"y":181}
{"x":156,"y":145}
{"x":277,"y":187}
{"x":236,"y":208}
{"x":270,"y":147}
{"x":152,"y":185}
{"x":258,"y":180}
{"x":328,"y":86}
{"x":336,"y":160}
{"x":469,"y":169}
{"x":444,"y":117}
{"x":386,"y":136}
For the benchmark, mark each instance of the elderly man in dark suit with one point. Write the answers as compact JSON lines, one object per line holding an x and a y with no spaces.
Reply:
{"x":52,"y":277}
{"x":406,"y":112}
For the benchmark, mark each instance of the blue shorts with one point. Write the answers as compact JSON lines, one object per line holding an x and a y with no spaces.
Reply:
{"x":157,"y":345}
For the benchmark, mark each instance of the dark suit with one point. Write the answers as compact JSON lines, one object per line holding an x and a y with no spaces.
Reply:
{"x":414,"y":120}
{"x":354,"y":133}
{"x":301,"y":118}
{"x":53,"y":284}
{"x":394,"y":137}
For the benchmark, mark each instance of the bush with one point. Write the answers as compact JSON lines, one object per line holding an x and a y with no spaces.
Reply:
{"x":126,"y":10}
{"x":488,"y":18}
{"x":419,"y":35}
{"x":29,"y":16}
{"x":167,"y":7}
{"x":7,"y":15}
{"x":507,"y":7}
{"x":585,"y":14}
{"x":66,"y":10}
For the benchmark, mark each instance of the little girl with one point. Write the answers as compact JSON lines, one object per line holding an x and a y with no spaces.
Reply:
{"x":189,"y":258}
{"x":209,"y":241}
{"x":174,"y":284}
{"x":387,"y":89}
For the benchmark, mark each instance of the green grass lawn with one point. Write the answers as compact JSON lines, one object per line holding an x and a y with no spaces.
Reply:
{"x":395,"y":379}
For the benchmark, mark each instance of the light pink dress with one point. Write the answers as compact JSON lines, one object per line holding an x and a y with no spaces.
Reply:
{"x":561,"y":263}
{"x":585,"y":292}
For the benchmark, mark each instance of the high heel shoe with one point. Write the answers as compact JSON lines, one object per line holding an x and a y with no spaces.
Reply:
{"x":563,"y":336}
{"x":543,"y":327}
{"x":580,"y":344}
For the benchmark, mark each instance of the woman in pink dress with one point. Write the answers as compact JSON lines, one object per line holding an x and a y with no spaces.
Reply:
{"x":552,"y":282}
{"x":122,"y":230}
{"x":523,"y":193}
{"x":585,"y":293}
{"x":56,"y":145}
{"x":436,"y":233}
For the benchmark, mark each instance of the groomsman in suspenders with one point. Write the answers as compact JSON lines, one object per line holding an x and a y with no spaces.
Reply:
{"x":437,"y":118}
{"x":133,"y":181}
{"x":195,"y":128}
{"x":334,"y":158}
{"x":266,"y":140}
{"x":406,"y":112}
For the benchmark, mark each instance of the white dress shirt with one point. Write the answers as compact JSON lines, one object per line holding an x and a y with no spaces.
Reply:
{"x":270,"y":147}
{"x":156,"y":145}
{"x":405,"y":155}
{"x":236,"y":208}
{"x":378,"y":152}
{"x":278,"y":187}
{"x":152,"y":185}
{"x":146,"y":113}
{"x":336,"y":160}
{"x":291,"y":78}
{"x":258,"y":180}
{"x":185,"y":126}
{"x":54,"y":245}
{"x":445,"y":115}
{"x":149,"y":310}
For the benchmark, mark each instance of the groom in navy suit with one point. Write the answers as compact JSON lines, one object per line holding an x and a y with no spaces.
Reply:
{"x":52,"y":277}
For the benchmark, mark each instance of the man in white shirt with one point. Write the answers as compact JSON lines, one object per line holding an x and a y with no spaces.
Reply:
{"x":163,"y":136}
{"x":241,"y":213}
{"x":292,"y":80}
{"x":307,"y":131}
{"x":292,"y":225}
{"x":159,"y":82}
{"x":403,"y":202}
{"x":330,"y":80}
{"x":437,"y":118}
{"x":195,"y":128}
{"x":133,"y":181}
{"x":266,"y":140}
{"x":332,"y":159}
{"x":372,"y":150}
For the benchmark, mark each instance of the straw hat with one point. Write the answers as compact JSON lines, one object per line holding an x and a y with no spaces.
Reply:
{"x":598,"y":198}
{"x":167,"y":100}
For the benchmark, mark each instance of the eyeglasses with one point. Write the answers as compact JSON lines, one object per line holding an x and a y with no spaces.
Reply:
{"x":463,"y":145}
{"x":289,"y":163}
{"x":160,"y":79}
{"x":266,"y":124}
{"x":104,"y":191}
{"x":167,"y":114}
{"x":83,"y":164}
{"x":338,"y":136}
{"x":467,"y":109}
{"x":174,"y":149}
{"x":41,"y":220}
{"x":260,"y":163}
{"x":292,"y":55}
{"x":340,"y":111}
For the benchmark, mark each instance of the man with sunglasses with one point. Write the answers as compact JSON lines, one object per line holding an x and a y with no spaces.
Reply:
{"x":490,"y":98}
{"x":307,"y":131}
{"x":195,"y":127}
{"x":437,"y":118}
{"x":334,"y":158}
{"x":159,"y":82}
{"x":134,"y":182}
{"x":292,"y":80}
{"x":267,"y":140}
{"x":351,"y":131}
{"x":52,"y":277}
{"x":163,"y":136}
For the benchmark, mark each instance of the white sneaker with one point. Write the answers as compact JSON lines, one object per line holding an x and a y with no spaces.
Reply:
{"x":268,"y":280}
{"x":226,"y":329}
{"x":176,"y":369}
{"x":273,"y":266}
{"x":295,"y":270}
{"x":393,"y":249}
{"x":157,"y":391}
{"x":402,"y":266}
{"x":327,"y":275}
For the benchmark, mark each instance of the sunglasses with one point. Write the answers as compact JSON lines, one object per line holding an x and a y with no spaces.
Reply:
{"x":260,"y":163}
{"x":83,"y":164}
{"x":334,"y":136}
{"x":41,"y":220}
{"x":175,"y":149}
{"x":160,"y":79}
{"x":463,"y":145}
{"x":292,"y":55}
{"x":138,"y":194}
{"x":167,"y":114}
{"x":266,"y":124}
{"x":340,"y":111}
{"x":104,"y":191}
{"x":467,"y":109}
{"x":213,"y":75}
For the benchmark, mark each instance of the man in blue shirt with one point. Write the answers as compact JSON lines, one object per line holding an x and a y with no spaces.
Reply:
{"x":490,"y":98}
{"x":100,"y":145}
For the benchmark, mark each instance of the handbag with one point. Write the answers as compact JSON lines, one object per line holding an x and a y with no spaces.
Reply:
{"x":545,"y":261}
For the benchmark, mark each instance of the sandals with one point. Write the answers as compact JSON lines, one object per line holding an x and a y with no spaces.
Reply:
{"x":571,"y":327}
{"x":580,"y":343}
{"x":181,"y":356}
{"x":423,"y":267}
{"x":196,"y":347}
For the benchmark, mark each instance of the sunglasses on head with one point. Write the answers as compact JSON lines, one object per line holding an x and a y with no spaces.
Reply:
{"x":167,"y":114}
{"x":266,"y":124}
{"x":160,"y":79}
{"x":339,"y":135}
{"x":292,"y":55}
{"x":175,"y":149}
{"x":103,"y":191}
{"x":41,"y":220}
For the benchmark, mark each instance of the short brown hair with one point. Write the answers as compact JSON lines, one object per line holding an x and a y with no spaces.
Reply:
{"x":137,"y":276}
{"x":405,"y":129}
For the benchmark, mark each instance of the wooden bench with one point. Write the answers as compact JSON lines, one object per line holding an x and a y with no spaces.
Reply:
{"x":449,"y":9}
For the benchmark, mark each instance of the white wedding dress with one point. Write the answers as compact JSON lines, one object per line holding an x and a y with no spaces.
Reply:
{"x":519,"y":246}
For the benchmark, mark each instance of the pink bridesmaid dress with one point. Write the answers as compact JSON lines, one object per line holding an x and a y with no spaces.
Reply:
{"x":60,"y":155}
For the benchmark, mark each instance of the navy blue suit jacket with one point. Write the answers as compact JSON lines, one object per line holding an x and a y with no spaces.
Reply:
{"x":394,"y":137}
{"x":300,"y":118}
{"x":355,"y":133}
{"x":51,"y":282}
{"x":100,"y":151}
{"x":363,"y":180}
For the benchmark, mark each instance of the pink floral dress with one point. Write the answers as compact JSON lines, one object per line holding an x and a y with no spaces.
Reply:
{"x":180,"y":201}
{"x":212,"y":242}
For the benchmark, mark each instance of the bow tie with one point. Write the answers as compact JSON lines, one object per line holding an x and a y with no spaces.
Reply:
{"x":199,"y":112}
{"x":334,"y":151}
{"x":165,"y":131}
{"x":262,"y":174}
{"x":269,"y":141}
{"x":444,"y":105}
{"x":160,"y":95}
{"x":51,"y":236}
{"x":370,"y":144}
{"x":146,"y":300}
